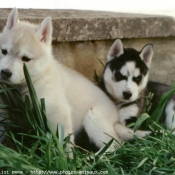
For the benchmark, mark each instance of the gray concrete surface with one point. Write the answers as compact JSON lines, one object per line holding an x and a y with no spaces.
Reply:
{"x":80,"y":38}
{"x":77,"y":25}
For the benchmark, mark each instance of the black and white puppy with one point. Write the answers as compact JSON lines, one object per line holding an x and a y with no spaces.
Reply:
{"x":125,"y":80}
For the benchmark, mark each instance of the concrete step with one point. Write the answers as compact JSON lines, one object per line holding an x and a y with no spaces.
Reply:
{"x":80,"y":38}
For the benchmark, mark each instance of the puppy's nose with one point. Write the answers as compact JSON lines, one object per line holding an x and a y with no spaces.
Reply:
{"x":5,"y":73}
{"x":127,"y":95}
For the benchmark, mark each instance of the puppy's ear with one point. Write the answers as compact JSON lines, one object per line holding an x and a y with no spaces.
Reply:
{"x":146,"y":54}
{"x":12,"y":20}
{"x":44,"y":31}
{"x":116,"y":50}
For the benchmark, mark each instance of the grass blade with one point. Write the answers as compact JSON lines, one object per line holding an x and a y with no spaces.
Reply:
{"x":34,"y":98}
{"x":140,"y":120}
{"x":163,"y":101}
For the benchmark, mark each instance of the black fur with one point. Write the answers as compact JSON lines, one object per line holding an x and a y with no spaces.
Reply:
{"x":129,"y":55}
{"x":83,"y":141}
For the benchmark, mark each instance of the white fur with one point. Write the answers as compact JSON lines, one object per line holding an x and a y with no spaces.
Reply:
{"x":129,"y":70}
{"x":126,"y":134}
{"x":126,"y":113}
{"x":70,"y":98}
{"x":12,"y":20}
{"x":170,"y":114}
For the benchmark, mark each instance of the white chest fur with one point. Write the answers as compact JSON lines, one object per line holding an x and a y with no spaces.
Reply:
{"x":128,"y":112}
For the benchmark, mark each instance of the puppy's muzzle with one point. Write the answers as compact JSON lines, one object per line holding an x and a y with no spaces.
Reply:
{"x":6,"y":74}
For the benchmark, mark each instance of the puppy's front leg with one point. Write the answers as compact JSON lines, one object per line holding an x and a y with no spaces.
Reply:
{"x":127,"y":133}
{"x":99,"y":128}
{"x":62,"y":115}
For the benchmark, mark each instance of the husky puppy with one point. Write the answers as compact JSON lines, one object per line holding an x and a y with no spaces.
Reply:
{"x":125,"y":80}
{"x":70,"y":98}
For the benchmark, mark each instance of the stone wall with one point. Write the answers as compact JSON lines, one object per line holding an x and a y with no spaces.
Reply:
{"x":81,"y":38}
{"x":84,"y":56}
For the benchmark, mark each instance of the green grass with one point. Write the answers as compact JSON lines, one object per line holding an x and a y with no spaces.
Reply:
{"x":30,"y":143}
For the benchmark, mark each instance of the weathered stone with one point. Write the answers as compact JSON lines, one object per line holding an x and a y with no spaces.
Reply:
{"x":80,"y":38}
{"x":77,"y":25}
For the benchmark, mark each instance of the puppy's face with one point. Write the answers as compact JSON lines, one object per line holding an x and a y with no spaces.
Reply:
{"x":20,"y":46}
{"x":23,"y":43}
{"x":126,"y":71}
{"x":125,"y":84}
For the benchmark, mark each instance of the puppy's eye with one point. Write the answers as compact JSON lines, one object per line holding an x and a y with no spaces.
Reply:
{"x":25,"y":59}
{"x":137,"y":79}
{"x":119,"y":76}
{"x":4,"y":51}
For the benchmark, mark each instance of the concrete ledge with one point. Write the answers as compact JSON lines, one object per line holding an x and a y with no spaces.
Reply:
{"x":75,"y":25}
{"x":80,"y":38}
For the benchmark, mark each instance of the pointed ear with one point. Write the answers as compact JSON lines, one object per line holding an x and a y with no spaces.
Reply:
{"x":44,"y":31}
{"x":146,"y":54}
{"x":116,"y":50}
{"x":12,"y":20}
